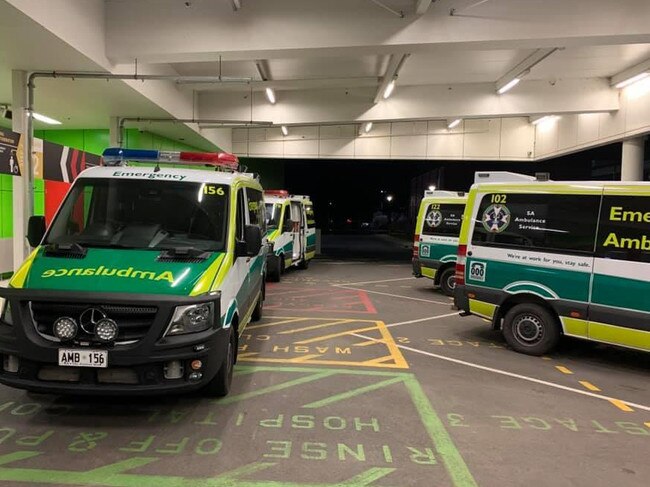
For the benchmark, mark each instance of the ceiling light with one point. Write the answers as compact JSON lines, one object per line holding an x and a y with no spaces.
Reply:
{"x":508,"y":86}
{"x":285,"y":130}
{"x":44,"y":119}
{"x":454,"y":123}
{"x":367,"y":127}
{"x":389,"y":89}
{"x":632,"y":80}
{"x":544,"y":119}
{"x":270,"y":95}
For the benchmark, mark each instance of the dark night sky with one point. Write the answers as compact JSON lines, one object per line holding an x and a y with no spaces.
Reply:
{"x":353,"y":187}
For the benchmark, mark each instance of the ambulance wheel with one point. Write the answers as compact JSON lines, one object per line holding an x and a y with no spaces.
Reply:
{"x":531,"y":329}
{"x":448,"y":281}
{"x":304,"y":264}
{"x":275,"y":269}
{"x":259,"y":306}
{"x":220,"y":384}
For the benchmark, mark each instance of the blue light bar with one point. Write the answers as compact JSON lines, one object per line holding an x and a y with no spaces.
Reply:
{"x":115,"y":155}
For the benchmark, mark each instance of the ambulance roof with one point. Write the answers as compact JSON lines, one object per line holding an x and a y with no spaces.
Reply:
{"x":167,"y":174}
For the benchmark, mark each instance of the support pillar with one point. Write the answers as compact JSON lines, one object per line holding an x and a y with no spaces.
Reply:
{"x":20,"y":183}
{"x":114,"y":136}
{"x":632,"y":159}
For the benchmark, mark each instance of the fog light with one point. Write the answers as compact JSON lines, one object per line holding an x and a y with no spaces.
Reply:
{"x":11,"y":363}
{"x":196,"y":375}
{"x":106,"y":330}
{"x":173,"y":369}
{"x":196,"y":364}
{"x":65,"y":328}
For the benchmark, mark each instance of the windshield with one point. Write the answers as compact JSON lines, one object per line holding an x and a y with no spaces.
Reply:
{"x":273,"y":213}
{"x":142,"y":214}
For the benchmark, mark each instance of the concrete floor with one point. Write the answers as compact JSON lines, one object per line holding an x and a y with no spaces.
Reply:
{"x":359,"y":375}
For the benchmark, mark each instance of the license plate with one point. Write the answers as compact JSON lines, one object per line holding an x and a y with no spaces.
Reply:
{"x":83,"y":358}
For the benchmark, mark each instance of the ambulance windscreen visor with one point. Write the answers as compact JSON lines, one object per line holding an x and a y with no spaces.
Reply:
{"x":142,"y":214}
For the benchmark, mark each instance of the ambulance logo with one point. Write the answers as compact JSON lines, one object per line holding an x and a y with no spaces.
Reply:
{"x":434,"y":218}
{"x":496,"y":218}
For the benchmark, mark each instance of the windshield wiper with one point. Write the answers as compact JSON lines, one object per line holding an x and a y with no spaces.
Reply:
{"x":186,"y":253}
{"x":73,"y":250}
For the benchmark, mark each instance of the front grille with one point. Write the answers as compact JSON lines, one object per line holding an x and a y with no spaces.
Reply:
{"x":133,"y":321}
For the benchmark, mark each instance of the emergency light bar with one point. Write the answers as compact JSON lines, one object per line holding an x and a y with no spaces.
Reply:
{"x":116,"y":156}
{"x":282,"y":193}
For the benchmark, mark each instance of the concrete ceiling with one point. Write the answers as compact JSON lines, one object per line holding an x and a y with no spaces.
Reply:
{"x":327,"y":61}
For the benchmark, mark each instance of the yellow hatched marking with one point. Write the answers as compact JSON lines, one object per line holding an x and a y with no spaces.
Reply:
{"x":275,"y":323}
{"x":546,"y":358}
{"x":563,"y":369}
{"x":369,"y":342}
{"x":304,"y":358}
{"x":621,"y":405}
{"x":379,"y":360}
{"x":321,"y":318}
{"x":334,"y":335}
{"x":647,"y":424}
{"x":315,"y":327}
{"x":246,"y":355}
{"x":323,"y":362}
{"x":392,"y":346}
{"x":589,"y":385}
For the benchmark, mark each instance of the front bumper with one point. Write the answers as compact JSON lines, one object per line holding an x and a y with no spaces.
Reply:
{"x":133,"y":368}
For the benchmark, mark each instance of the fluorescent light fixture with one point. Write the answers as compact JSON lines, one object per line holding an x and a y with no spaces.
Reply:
{"x":389,"y":198}
{"x":544,"y":119}
{"x":632,"y":80}
{"x":389,"y":89}
{"x":454,"y":123}
{"x":367,"y":127}
{"x":270,"y":95}
{"x":44,"y":119}
{"x":508,"y":86}
{"x":285,"y":130}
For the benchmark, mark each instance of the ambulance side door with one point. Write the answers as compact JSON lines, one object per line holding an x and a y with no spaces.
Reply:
{"x":241,"y":263}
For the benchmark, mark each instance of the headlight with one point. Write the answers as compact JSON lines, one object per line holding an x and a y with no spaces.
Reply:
{"x":191,"y":319}
{"x":5,"y":312}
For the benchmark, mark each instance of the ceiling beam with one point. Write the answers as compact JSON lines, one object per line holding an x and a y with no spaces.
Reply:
{"x":395,"y":63}
{"x":630,"y":73}
{"x":524,"y":67}
{"x":421,"y":6}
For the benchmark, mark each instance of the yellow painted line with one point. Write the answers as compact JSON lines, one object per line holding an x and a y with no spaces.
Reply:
{"x":546,"y":358}
{"x":323,"y":362}
{"x":392,"y":346}
{"x":315,"y":327}
{"x":589,"y":385}
{"x":368,"y":342}
{"x":322,"y":318}
{"x":621,"y":405}
{"x":246,"y":354}
{"x":563,"y":369}
{"x":647,"y":424}
{"x":379,"y":360}
{"x":275,"y":323}
{"x":304,"y":358}
{"x":334,"y":335}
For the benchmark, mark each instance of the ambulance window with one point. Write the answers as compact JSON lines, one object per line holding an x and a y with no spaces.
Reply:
{"x":273,"y":215}
{"x":624,"y":230}
{"x":311,"y":219}
{"x":256,"y":209}
{"x":553,"y":222}
{"x":241,"y":216}
{"x":443,"y":219}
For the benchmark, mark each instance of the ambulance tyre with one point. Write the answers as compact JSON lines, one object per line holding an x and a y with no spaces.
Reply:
{"x":304,"y":264}
{"x":531,"y":329}
{"x":259,"y":305}
{"x":220,"y":384}
{"x":275,"y":269}
{"x":448,"y":281}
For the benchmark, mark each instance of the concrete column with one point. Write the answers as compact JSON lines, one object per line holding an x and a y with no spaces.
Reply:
{"x":114,"y":135}
{"x":632,"y":159}
{"x":20,"y":184}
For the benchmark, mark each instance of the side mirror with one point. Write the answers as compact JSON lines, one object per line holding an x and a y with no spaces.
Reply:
{"x":253,"y":235}
{"x":287,"y":226}
{"x":35,"y":230}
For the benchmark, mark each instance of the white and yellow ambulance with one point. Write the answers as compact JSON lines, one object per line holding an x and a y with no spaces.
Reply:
{"x":142,"y":283}
{"x":435,"y":244}
{"x":291,"y":231}
{"x":541,"y":259}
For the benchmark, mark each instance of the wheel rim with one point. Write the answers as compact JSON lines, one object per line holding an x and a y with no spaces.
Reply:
{"x":451,"y":282}
{"x":528,"y":329}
